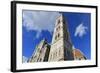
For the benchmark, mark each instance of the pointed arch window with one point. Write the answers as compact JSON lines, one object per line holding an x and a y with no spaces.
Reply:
{"x":59,"y":21}
{"x":58,"y":35}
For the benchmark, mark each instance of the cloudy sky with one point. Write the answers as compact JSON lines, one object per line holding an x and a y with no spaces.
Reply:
{"x":40,"y":24}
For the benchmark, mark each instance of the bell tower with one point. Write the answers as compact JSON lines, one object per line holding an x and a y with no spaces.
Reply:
{"x":61,"y":46}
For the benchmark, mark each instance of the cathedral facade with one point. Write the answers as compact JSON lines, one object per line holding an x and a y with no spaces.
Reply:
{"x":60,"y":48}
{"x":41,"y":52}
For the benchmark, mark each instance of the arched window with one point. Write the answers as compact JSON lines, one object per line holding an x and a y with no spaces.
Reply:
{"x":59,"y":21}
{"x":79,"y":58}
{"x":58,"y":35}
{"x":58,"y":28}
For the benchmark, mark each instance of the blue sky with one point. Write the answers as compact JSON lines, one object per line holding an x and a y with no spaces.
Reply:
{"x":38,"y":25}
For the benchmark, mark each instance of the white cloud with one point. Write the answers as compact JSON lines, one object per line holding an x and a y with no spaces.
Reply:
{"x":73,"y":47}
{"x":24,"y":59}
{"x":39,"y":20}
{"x":80,"y":30}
